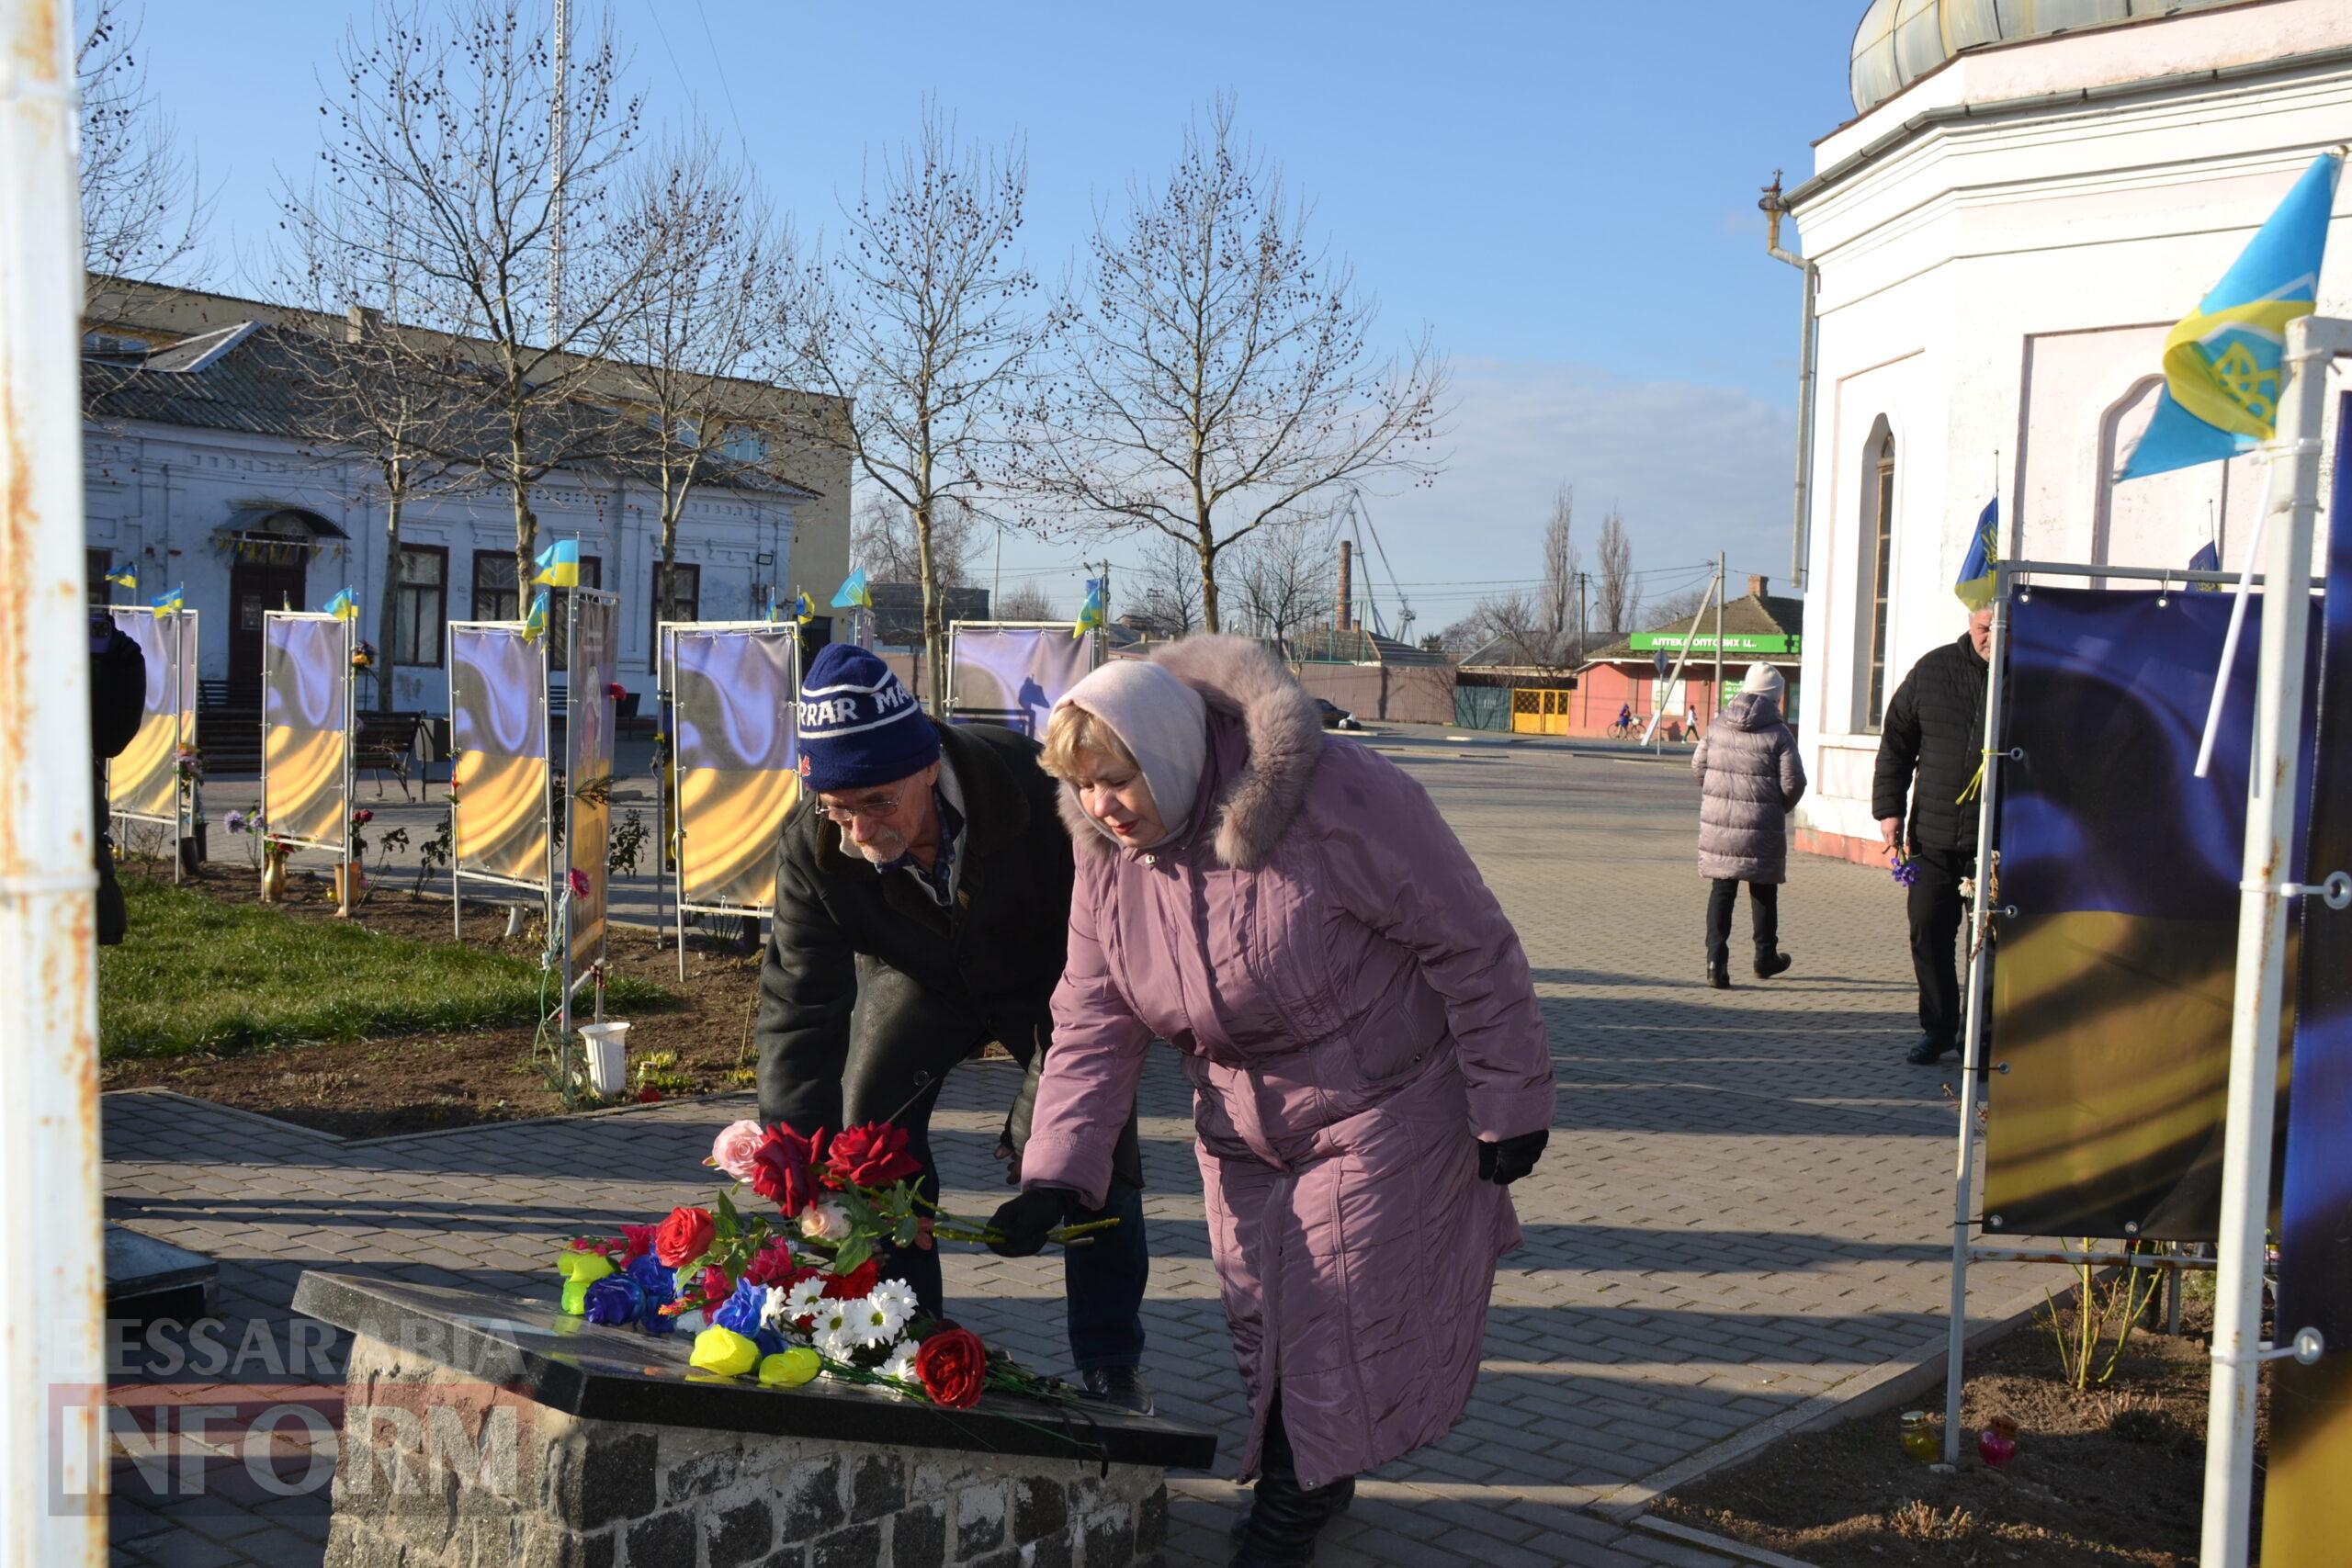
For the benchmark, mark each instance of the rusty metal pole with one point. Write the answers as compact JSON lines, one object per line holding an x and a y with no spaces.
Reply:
{"x":53,"y":1505}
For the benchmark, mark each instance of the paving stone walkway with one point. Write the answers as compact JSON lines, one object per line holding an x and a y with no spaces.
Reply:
{"x":1743,"y":1217}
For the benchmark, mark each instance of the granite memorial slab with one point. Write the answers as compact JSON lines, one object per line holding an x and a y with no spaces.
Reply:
{"x":481,"y":1426}
{"x":148,"y":1281}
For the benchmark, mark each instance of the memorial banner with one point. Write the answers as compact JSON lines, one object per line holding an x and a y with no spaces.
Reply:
{"x":2310,"y":1407}
{"x":305,"y":702}
{"x":738,"y":760}
{"x":588,"y":765}
{"x":498,"y":773}
{"x":1014,"y":675}
{"x":144,"y":780}
{"x":2111,"y":983}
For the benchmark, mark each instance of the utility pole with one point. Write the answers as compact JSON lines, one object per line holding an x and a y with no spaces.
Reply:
{"x":555,"y":137}
{"x":1721,"y":588}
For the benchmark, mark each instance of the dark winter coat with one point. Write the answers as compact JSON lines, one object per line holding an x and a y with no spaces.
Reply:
{"x":935,"y":982}
{"x":1749,"y":780}
{"x":118,"y":707}
{"x":1354,"y":1014}
{"x":1935,"y":728}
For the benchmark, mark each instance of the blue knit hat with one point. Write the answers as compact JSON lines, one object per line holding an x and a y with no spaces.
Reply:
{"x":858,"y":726}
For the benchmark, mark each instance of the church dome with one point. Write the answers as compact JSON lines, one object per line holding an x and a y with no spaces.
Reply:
{"x":1901,"y":41}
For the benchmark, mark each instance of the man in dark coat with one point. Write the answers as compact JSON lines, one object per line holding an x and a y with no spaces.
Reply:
{"x":922,"y":894}
{"x":117,"y":704}
{"x":1934,"y":734}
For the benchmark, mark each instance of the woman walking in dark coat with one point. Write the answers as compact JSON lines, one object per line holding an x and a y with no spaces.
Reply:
{"x":1749,"y":780}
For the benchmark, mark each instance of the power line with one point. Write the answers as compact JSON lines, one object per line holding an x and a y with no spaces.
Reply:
{"x":718,"y":65}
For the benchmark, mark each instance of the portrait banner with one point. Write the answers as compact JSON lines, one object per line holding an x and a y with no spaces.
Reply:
{"x":738,"y":759}
{"x":2112,"y":980}
{"x":594,"y":655}
{"x":2310,"y":1407}
{"x":498,"y":735}
{"x":144,"y":780}
{"x":305,"y":708}
{"x":1014,"y":675}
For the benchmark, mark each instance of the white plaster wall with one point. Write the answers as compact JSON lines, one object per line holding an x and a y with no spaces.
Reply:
{"x":1997,"y":287}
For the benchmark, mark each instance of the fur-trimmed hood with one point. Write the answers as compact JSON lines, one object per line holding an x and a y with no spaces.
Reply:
{"x":1265,"y":738}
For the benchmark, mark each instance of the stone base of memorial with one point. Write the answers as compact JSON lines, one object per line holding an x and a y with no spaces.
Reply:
{"x":485,"y":1430}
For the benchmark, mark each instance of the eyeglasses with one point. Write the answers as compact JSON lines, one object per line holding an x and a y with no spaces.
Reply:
{"x":872,"y":810}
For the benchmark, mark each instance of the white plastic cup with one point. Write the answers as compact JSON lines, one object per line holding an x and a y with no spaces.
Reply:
{"x":608,"y":1054}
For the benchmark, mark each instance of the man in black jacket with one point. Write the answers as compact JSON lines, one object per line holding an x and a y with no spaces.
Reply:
{"x":922,"y":894}
{"x":1935,"y":730}
{"x":118,"y":707}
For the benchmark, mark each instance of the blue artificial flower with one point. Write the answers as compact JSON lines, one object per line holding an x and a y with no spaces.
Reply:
{"x":660,"y":1285}
{"x":741,"y":1313}
{"x":616,"y":1302}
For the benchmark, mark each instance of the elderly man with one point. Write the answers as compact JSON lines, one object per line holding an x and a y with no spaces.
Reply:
{"x":921,"y":910}
{"x":1934,"y":734}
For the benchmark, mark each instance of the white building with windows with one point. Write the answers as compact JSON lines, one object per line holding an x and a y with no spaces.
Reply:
{"x":2031,"y":194}
{"x":199,"y":474}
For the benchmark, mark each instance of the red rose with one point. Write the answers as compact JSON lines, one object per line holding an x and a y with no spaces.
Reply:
{"x":648,"y":1095}
{"x":614,"y":690}
{"x":772,"y":1265}
{"x":951,"y":1364}
{"x":636,"y":1242}
{"x":715,"y":1288}
{"x":683,"y":1236}
{"x":782,"y":1168}
{"x":872,"y":1156}
{"x":858,"y":1282}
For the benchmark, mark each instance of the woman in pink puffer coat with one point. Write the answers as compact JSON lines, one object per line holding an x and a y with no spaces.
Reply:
{"x":1357,"y":1019}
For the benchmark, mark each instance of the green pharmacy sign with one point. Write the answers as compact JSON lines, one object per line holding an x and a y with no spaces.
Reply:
{"x":1675,"y":642}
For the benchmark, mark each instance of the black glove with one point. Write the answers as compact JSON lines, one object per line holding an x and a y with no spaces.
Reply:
{"x":1506,"y":1161}
{"x":1022,"y":1222}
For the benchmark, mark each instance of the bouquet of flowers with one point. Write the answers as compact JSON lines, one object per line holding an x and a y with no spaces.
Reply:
{"x":789,"y":1302}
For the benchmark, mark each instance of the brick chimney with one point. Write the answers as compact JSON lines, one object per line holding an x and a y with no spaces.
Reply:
{"x":1758,"y":586}
{"x":1347,"y":584}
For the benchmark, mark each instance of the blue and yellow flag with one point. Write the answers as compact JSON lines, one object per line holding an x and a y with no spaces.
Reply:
{"x":775,"y":610}
{"x":803,"y":610}
{"x":1974,"y":584}
{"x":124,"y":577}
{"x":2207,"y":558}
{"x":559,"y":564}
{"x":1089,"y":614}
{"x":855,"y":594}
{"x":534,"y":625}
{"x":343,"y":606}
{"x":169,"y":602}
{"x":2223,"y":363}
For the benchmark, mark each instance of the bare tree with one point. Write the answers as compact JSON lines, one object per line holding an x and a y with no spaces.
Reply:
{"x":1613,"y":594}
{"x":1220,"y":375}
{"x":883,"y":540}
{"x":144,"y":206}
{"x":1678,"y":606}
{"x":1285,"y":581}
{"x":697,"y":355}
{"x":1168,"y":602}
{"x":926,"y":334}
{"x":1026,"y":603}
{"x":1559,"y":609}
{"x":1515,"y":621}
{"x":446,"y":141}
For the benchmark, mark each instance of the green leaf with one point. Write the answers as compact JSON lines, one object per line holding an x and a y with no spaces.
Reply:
{"x":853,"y":1252}
{"x":904,"y":1235}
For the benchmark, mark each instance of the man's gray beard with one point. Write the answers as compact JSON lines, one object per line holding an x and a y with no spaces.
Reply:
{"x":877,"y":855}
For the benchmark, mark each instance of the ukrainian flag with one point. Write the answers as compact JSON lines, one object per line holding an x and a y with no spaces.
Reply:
{"x":2207,"y":558}
{"x":343,"y":606}
{"x":534,"y":625}
{"x":168,"y":602}
{"x":776,"y":611}
{"x":855,"y":594}
{"x":124,"y":577}
{"x":803,"y":610}
{"x":1089,"y":614}
{"x":1975,"y":583}
{"x":559,"y":564}
{"x":2223,"y":366}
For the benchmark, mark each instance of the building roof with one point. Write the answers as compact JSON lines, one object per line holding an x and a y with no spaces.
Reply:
{"x":1354,"y":644}
{"x":1763,"y":626}
{"x":1901,"y":41}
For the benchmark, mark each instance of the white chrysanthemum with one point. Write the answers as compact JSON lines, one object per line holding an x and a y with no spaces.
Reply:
{"x":877,"y":1319}
{"x":836,"y":1318}
{"x":898,"y":1291}
{"x":804,"y":1299}
{"x":902,"y":1367}
{"x":836,"y":1343}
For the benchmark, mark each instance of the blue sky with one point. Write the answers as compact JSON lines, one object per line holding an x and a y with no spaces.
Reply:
{"x":1563,"y":193}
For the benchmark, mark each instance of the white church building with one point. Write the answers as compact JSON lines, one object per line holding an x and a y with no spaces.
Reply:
{"x":2031,"y":193}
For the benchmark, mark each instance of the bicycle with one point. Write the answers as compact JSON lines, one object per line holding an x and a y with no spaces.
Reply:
{"x":1625,"y":729}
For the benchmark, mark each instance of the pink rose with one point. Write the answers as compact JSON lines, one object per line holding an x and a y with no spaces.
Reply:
{"x":736,"y":1150}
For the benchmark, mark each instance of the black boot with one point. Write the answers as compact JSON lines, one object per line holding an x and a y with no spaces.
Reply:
{"x":1771,"y":963}
{"x":1719,"y":971}
{"x":1284,"y":1517}
{"x":1346,"y":1490}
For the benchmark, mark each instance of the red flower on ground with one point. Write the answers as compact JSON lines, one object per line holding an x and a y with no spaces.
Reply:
{"x":648,"y":1095}
{"x":953,"y":1363}
{"x":636,"y":1242}
{"x":683,"y":1236}
{"x":715,"y":1287}
{"x":772,"y":1265}
{"x":858,"y":1282}
{"x":784,"y":1168}
{"x":872,"y":1156}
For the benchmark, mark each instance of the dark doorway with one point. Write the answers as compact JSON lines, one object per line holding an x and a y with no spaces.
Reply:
{"x":255,"y":587}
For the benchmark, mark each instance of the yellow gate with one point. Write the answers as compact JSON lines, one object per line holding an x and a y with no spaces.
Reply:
{"x":1539,"y":712}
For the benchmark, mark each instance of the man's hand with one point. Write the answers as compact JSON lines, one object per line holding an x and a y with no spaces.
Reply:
{"x":1890,"y":828}
{"x":1021,"y":1223}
